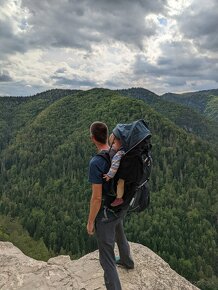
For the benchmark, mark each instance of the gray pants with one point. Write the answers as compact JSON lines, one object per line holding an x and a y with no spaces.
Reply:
{"x":109,"y":230}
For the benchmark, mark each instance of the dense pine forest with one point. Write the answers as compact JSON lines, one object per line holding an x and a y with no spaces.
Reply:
{"x":44,"y":154}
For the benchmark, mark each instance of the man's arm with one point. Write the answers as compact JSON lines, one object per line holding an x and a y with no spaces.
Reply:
{"x":95,"y":205}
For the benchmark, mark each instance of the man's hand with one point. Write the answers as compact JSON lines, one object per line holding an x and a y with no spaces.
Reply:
{"x":90,"y":228}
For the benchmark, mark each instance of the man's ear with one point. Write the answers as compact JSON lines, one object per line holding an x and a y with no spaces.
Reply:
{"x":93,"y":139}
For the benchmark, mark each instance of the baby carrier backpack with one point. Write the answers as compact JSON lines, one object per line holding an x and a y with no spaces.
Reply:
{"x":135,"y":165}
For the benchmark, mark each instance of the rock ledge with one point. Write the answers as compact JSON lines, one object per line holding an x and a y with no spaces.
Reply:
{"x":18,"y":271}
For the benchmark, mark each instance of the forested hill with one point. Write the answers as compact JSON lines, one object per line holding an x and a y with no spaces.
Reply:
{"x":16,"y":112}
{"x":205,"y":102}
{"x":181,"y":113}
{"x":43,"y":181}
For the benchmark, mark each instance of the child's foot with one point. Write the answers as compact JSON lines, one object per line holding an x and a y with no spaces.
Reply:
{"x":117,"y":202}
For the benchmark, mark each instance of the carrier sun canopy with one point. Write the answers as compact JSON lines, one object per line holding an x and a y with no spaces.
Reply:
{"x":131,"y":134}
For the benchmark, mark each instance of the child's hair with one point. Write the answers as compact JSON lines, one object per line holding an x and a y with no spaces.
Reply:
{"x":99,"y":131}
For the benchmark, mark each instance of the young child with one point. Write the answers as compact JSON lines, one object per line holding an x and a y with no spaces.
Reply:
{"x":115,"y":163}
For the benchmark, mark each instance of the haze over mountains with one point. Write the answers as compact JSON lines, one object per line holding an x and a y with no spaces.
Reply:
{"x":45,"y":150}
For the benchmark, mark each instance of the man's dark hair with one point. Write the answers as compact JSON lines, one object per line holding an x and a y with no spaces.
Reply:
{"x":99,"y":131}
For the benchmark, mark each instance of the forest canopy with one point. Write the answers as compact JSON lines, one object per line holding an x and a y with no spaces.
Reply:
{"x":45,"y":152}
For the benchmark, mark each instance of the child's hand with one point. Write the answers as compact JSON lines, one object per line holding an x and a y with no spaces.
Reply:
{"x":106,"y":177}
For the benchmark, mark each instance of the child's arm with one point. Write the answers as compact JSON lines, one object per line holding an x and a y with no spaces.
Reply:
{"x":106,"y":177}
{"x":115,"y":163}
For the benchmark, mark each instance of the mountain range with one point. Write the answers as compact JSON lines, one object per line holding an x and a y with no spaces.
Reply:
{"x":44,"y":155}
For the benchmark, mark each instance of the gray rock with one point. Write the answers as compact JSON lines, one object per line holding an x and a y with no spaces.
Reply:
{"x":18,"y":271}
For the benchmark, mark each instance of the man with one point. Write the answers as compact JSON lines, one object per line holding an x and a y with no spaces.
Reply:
{"x":107,"y":224}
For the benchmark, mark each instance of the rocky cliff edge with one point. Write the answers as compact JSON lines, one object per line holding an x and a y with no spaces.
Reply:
{"x":18,"y":271}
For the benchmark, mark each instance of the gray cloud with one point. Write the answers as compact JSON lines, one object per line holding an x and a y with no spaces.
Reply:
{"x":19,"y":89}
{"x":10,"y":42}
{"x":116,"y":83}
{"x":75,"y":82}
{"x":177,"y":65}
{"x":112,"y":84}
{"x":5,"y":77}
{"x":175,"y":81}
{"x":2,"y":2}
{"x":199,"y":22}
{"x":81,"y":23}
{"x":60,"y":70}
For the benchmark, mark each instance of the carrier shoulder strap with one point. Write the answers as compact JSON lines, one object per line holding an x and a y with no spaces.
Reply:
{"x":105,"y":154}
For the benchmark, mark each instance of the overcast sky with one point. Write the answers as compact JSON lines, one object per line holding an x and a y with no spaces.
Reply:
{"x":160,"y":45}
